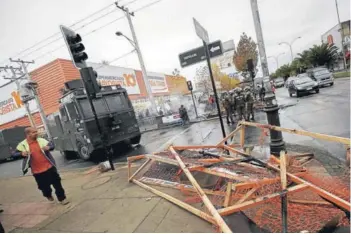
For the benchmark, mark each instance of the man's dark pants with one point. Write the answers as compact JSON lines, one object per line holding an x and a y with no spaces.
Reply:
{"x":48,"y":178}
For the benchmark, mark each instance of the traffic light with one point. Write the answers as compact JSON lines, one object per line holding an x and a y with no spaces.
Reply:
{"x":75,"y":47}
{"x":190,"y":85}
{"x":89,"y":77}
{"x":250,"y":65}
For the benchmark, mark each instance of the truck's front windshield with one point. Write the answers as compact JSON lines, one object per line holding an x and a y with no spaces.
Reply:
{"x":105,"y":105}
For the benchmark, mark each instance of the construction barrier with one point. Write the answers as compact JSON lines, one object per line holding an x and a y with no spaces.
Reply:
{"x":292,"y":193}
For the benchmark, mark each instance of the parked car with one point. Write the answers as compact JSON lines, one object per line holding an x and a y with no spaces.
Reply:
{"x":321,"y":75}
{"x":279,"y":82}
{"x":301,"y":85}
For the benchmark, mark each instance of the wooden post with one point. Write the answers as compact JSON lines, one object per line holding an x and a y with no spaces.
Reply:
{"x":228,"y":194}
{"x":283,"y":170}
{"x":284,"y":198}
{"x":242,"y":136}
{"x":184,"y":205}
{"x":223,"y":226}
{"x":129,"y":168}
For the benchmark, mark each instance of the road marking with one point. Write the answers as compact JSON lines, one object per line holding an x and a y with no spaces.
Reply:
{"x":170,"y":141}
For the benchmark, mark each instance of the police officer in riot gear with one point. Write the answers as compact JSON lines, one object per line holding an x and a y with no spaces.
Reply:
{"x":228,"y":108}
{"x":249,"y":100}
{"x":240,"y":103}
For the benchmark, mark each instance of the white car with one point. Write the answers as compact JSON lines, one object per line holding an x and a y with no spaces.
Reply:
{"x":171,"y":119}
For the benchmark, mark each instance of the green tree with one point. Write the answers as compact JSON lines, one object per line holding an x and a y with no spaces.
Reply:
{"x":283,"y":71}
{"x":323,"y":55}
{"x":304,"y":59}
{"x":246,"y":49}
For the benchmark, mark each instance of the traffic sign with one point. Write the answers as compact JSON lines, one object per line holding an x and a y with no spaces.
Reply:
{"x":198,"y":54}
{"x":201,"y":31}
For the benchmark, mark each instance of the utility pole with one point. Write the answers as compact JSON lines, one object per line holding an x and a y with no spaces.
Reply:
{"x":341,"y":33}
{"x":16,"y":79}
{"x":34,"y":87}
{"x":141,"y":60}
{"x":271,"y":106}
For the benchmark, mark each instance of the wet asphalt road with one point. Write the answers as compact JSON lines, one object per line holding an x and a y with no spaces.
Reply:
{"x":327,"y":112}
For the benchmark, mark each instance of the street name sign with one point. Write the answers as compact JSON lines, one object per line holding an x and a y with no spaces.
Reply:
{"x":201,"y":31}
{"x":198,"y":54}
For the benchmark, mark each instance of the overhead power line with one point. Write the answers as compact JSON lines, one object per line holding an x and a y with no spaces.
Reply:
{"x":58,"y":34}
{"x":116,"y":59}
{"x":101,"y":27}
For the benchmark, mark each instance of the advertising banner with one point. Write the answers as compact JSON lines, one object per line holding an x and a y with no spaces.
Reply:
{"x":157,"y":82}
{"x":11,"y":106}
{"x":112,"y":75}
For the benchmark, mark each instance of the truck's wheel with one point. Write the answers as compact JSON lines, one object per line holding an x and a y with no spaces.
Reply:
{"x":83,"y":151}
{"x":135,"y":140}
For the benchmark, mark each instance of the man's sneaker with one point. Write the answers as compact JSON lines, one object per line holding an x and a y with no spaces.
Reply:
{"x":51,"y":199}
{"x":64,"y":202}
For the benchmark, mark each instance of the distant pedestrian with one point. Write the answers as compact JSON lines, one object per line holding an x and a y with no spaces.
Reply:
{"x":147,"y":113}
{"x":37,"y":156}
{"x":262,"y":93}
{"x":183,"y":114}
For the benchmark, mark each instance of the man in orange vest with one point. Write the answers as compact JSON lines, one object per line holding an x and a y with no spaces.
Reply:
{"x":37,"y":156}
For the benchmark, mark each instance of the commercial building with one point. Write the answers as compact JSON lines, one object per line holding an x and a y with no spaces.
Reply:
{"x":333,"y":36}
{"x":52,"y":76}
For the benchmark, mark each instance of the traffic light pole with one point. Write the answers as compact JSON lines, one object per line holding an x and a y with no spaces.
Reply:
{"x":36,"y":97}
{"x":214,"y":87}
{"x":103,"y":135}
{"x":271,"y":106}
{"x":192,"y":96}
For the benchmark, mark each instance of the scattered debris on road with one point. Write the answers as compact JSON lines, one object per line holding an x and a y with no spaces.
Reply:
{"x":219,"y":182}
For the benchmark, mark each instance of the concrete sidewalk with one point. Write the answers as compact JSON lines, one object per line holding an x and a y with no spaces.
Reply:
{"x":99,"y":203}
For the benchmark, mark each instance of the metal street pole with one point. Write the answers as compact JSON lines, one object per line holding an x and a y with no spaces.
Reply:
{"x":290,"y":46}
{"x":34,"y":89}
{"x":271,"y":106}
{"x":341,"y":33}
{"x":192,"y":96}
{"x":214,"y":87}
{"x":141,"y":61}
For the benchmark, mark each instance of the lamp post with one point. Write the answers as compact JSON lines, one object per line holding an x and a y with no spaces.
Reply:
{"x":135,"y":44}
{"x":271,"y":106}
{"x":290,"y":45}
{"x":276,"y":58}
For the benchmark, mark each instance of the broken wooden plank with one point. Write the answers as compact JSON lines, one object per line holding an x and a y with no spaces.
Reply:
{"x":223,"y":226}
{"x":139,"y":169}
{"x":183,"y":205}
{"x":237,"y":207}
{"x":283,"y":177}
{"x":229,"y":136}
{"x":176,"y":185}
{"x":134,"y":158}
{"x":247,"y":195}
{"x":262,"y":182}
{"x":228,"y":194}
{"x":307,"y":202}
{"x":186,"y":147}
{"x":342,"y":140}
{"x":162,"y":159}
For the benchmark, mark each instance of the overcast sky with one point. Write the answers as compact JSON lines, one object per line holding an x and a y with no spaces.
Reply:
{"x":164,"y":29}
